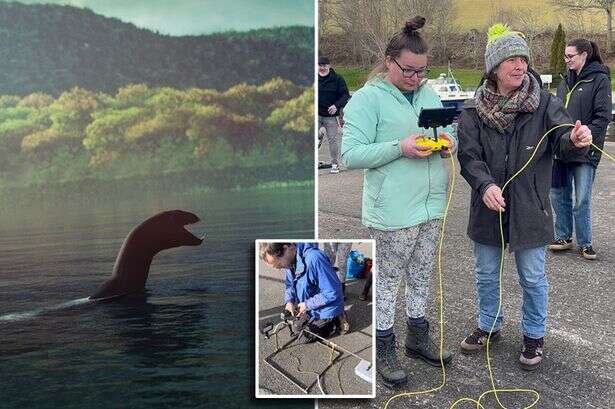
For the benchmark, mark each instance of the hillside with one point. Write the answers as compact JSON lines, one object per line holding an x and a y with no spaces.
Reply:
{"x":50,"y":48}
{"x":540,"y":14}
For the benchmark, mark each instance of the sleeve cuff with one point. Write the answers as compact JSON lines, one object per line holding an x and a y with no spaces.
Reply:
{"x":484,"y":188}
{"x":398,"y":144}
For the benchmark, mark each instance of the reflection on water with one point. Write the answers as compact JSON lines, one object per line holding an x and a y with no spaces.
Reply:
{"x":186,"y":342}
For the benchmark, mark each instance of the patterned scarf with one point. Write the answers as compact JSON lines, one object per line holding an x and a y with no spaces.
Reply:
{"x":500,"y":111}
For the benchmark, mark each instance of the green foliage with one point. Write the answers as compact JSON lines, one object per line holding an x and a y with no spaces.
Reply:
{"x":13,"y":130}
{"x":105,"y":135}
{"x":55,"y":48}
{"x":296,"y":115}
{"x":9,"y":101}
{"x":293,"y":122}
{"x":36,"y":100}
{"x":149,"y":132}
{"x":133,"y":94}
{"x":557,"y":64}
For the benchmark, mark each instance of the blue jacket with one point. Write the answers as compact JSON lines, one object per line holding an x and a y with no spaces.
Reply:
{"x":314,"y":282}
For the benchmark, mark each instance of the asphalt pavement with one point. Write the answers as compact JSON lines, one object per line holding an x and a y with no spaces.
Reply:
{"x":579,"y":362}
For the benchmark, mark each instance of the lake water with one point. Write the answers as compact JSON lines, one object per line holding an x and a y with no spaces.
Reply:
{"x":188,"y":342}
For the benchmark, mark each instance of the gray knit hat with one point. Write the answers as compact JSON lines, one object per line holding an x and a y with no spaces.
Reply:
{"x":502,"y":43}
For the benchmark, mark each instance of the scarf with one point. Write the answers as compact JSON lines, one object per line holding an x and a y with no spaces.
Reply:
{"x":500,"y":111}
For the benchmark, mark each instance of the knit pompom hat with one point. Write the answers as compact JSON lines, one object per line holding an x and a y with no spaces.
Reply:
{"x":503,"y":43}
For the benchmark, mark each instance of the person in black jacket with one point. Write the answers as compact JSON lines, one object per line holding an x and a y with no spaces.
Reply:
{"x":498,"y":131}
{"x":586,"y":92}
{"x":332,"y":97}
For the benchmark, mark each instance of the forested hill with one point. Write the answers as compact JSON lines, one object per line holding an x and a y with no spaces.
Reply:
{"x":51,"y":49}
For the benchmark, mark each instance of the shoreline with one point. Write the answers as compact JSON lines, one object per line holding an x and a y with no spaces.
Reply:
{"x":220,"y":180}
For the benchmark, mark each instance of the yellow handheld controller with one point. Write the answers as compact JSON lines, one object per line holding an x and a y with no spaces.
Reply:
{"x":432,"y":144}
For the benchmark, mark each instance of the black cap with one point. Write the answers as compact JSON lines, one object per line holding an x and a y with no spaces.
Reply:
{"x":323,"y":60}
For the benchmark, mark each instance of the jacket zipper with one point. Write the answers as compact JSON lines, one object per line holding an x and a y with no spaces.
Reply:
{"x":569,"y":93}
{"x":428,"y":186}
{"x":428,"y":159}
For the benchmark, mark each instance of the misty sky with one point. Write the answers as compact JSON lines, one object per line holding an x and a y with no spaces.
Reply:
{"x":191,"y":17}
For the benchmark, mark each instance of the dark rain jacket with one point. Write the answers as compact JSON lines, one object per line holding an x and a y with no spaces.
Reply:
{"x":489,"y":157}
{"x":313,"y":281}
{"x":587,"y":97}
{"x":332,"y":90}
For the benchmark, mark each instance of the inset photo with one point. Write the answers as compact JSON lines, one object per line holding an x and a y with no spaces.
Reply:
{"x":314,"y":319}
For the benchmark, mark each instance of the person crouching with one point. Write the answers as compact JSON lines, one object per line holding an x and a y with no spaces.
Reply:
{"x":312,"y":289}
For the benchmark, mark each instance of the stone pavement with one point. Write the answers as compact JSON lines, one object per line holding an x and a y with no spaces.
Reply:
{"x":303,"y":361}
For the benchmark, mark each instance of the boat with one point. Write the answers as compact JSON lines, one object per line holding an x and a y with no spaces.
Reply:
{"x":449,"y":90}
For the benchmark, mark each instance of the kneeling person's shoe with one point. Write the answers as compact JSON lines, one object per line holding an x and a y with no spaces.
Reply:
{"x":560,"y":245}
{"x":477,"y":341}
{"x":588,"y":253}
{"x":386,"y":362}
{"x":344,"y":323}
{"x":420,"y":345}
{"x":531,"y":354}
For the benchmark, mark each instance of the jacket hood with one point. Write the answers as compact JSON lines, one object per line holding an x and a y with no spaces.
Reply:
{"x":302,"y":250}
{"x":589,"y":72}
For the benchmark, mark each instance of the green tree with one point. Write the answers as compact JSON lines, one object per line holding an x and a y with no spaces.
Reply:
{"x":105,"y":135}
{"x":36,"y":100}
{"x":556,"y":62}
{"x":69,"y":115}
{"x":15,"y":124}
{"x":294,"y":122}
{"x":211,"y":124}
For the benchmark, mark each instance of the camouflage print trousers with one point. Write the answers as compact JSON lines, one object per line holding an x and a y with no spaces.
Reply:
{"x":409,"y":253}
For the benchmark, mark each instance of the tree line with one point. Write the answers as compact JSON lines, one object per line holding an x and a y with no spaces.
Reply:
{"x":152,"y":131}
{"x":355,"y":32}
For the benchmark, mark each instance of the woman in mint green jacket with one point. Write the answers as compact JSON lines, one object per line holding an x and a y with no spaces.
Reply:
{"x":404,"y":191}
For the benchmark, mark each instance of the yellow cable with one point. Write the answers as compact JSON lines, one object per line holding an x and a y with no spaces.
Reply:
{"x":604,"y":153}
{"x":493,"y":389}
{"x":440,"y":294}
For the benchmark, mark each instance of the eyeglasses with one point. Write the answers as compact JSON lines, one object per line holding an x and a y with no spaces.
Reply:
{"x":409,"y":72}
{"x":570,"y":56}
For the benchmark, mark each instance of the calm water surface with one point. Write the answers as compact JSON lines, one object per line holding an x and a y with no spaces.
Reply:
{"x":188,"y":342}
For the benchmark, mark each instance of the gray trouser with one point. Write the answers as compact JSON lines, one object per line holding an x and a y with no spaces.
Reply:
{"x":408,"y":253}
{"x":330,"y":124}
{"x":340,"y":252}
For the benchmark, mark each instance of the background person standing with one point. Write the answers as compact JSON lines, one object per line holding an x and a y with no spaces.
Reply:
{"x":586,"y":92}
{"x":332,"y":97}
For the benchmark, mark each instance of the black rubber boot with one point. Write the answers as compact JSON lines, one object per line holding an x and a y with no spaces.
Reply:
{"x":420,"y":345}
{"x":386,"y":362}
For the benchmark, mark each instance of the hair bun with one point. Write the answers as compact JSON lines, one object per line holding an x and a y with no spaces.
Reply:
{"x":413,"y":25}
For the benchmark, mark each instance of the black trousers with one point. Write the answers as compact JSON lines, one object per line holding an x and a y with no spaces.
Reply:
{"x":323,"y":327}
{"x":367,"y":286}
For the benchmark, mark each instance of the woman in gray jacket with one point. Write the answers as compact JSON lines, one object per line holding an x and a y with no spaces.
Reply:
{"x":498,"y":132}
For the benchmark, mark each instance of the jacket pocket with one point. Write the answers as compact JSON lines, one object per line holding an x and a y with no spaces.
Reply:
{"x":541,"y":201}
{"x":374,"y":183}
